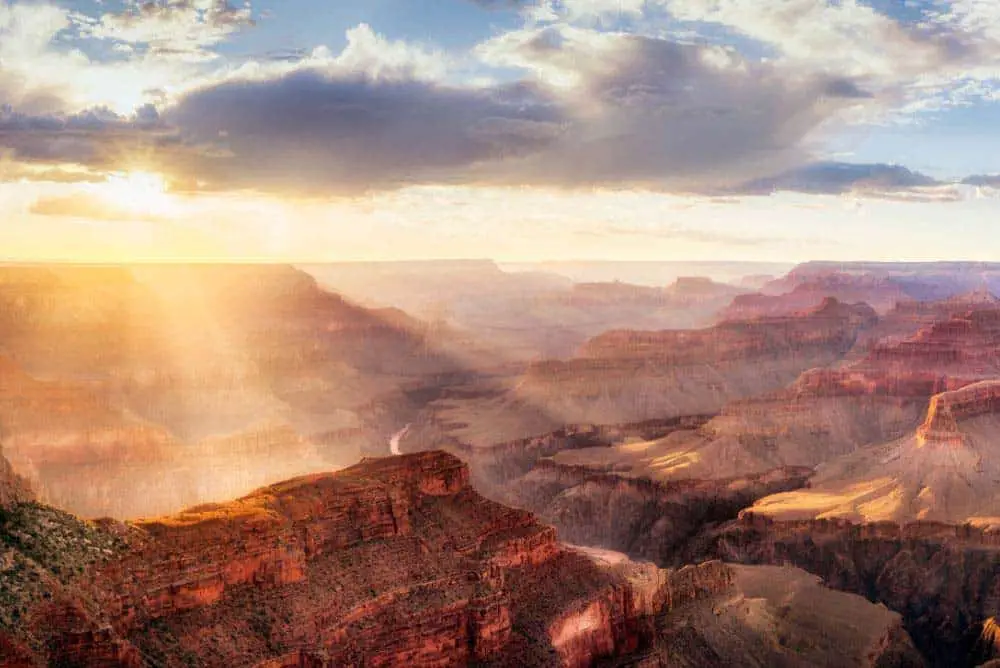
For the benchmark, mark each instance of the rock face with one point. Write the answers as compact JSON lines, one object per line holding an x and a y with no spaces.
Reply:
{"x":632,"y":376}
{"x":947,"y":470}
{"x":780,"y":616}
{"x":13,"y":489}
{"x":521,"y":316}
{"x":943,"y":579}
{"x":948,"y":409}
{"x":628,"y":376}
{"x":835,"y":412}
{"x":392,"y":561}
{"x":643,"y":518}
{"x":881,"y":293}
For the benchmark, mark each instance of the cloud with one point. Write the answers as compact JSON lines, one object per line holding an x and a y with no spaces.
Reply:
{"x":579,"y":107}
{"x":83,"y":143}
{"x":983,"y":180}
{"x":926,"y":55}
{"x":660,"y":114}
{"x":91,"y":207}
{"x":832,"y":178}
{"x":184,"y":29}
{"x":307,"y":131}
{"x":592,"y":109}
{"x":55,"y":60}
{"x":647,"y":112}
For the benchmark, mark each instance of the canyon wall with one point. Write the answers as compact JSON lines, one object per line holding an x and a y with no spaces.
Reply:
{"x":389,"y":562}
{"x":944,"y":579}
{"x":948,"y":409}
{"x":629,"y":376}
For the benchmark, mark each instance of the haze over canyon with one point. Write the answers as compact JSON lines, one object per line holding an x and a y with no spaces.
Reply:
{"x":372,"y":465}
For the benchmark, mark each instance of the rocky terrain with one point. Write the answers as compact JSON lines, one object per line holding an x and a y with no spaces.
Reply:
{"x":900,"y":429}
{"x":392,"y":561}
{"x":13,"y":488}
{"x":881,"y":293}
{"x":827,"y":413}
{"x":922,"y":281}
{"x":943,"y":578}
{"x":948,"y":470}
{"x":628,"y":376}
{"x":859,"y":446}
{"x":525,"y":315}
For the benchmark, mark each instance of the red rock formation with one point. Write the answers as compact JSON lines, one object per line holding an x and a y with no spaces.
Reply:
{"x":831,"y":324}
{"x":389,"y":562}
{"x":949,"y":408}
{"x":630,"y":376}
{"x":880,"y":292}
{"x":923,"y":570}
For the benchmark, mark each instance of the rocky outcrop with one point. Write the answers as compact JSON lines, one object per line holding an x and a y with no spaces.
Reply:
{"x":643,"y":518}
{"x":392,"y":561}
{"x":944,"y":579}
{"x":13,"y":489}
{"x":831,"y":324}
{"x":987,"y":647}
{"x":879,"y":292}
{"x":630,"y":376}
{"x":779,"y":616}
{"x":947,"y":409}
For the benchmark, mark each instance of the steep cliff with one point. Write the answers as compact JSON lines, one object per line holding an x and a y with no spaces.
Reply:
{"x":943,"y":579}
{"x":780,"y":616}
{"x":13,"y":488}
{"x":947,"y":470}
{"x":837,"y":411}
{"x":630,"y":376}
{"x":391,"y":561}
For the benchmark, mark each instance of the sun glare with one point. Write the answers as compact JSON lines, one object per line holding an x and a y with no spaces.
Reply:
{"x":141,"y":192}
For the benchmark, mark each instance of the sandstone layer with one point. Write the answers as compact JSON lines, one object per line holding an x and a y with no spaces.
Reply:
{"x":392,"y":561}
{"x":944,"y":579}
{"x":630,"y":376}
{"x":948,"y":470}
{"x":832,"y":412}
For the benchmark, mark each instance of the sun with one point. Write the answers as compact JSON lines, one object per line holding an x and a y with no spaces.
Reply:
{"x":140,"y":192}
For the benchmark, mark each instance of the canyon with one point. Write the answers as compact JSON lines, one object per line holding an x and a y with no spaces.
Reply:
{"x":692,"y":472}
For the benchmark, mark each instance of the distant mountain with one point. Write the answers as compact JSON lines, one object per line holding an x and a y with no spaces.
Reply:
{"x":524,"y":315}
{"x":650,"y":273}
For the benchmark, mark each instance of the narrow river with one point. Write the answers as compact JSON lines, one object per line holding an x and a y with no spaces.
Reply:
{"x":396,"y":438}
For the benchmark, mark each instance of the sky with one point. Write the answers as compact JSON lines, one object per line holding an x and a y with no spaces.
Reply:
{"x":785,"y":130}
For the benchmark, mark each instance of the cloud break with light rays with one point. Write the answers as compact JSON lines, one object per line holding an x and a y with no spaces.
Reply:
{"x":169,"y":129}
